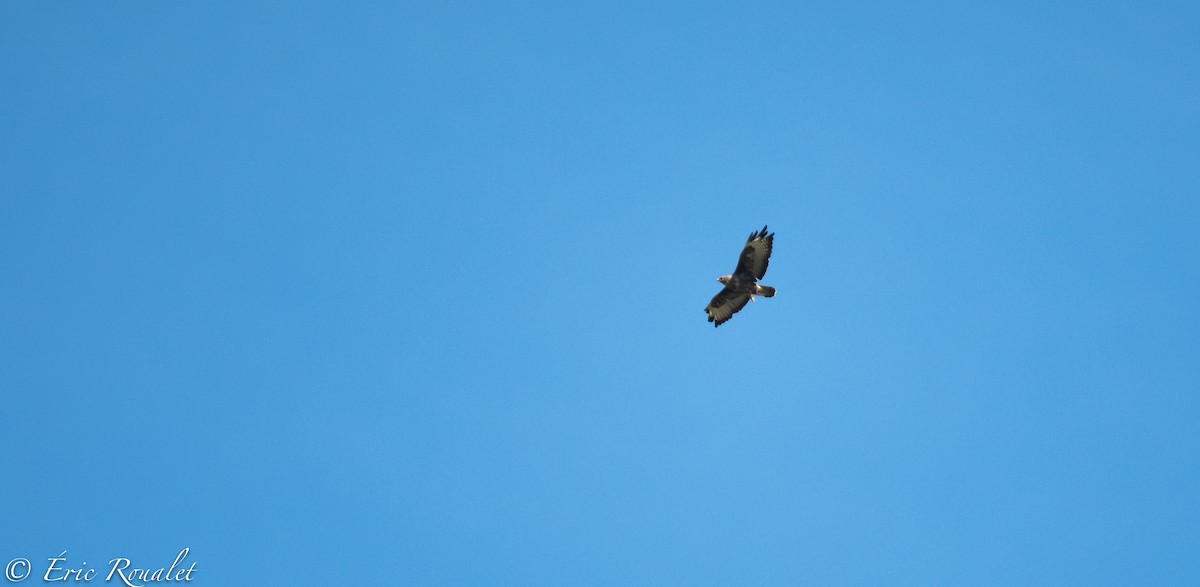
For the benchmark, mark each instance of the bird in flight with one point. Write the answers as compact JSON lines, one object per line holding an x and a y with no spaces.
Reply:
{"x":742,"y":285}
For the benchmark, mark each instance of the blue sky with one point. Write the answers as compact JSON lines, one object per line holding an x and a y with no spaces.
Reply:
{"x":413,"y":294}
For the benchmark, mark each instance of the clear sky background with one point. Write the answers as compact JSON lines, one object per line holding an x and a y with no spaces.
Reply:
{"x":412,"y":295}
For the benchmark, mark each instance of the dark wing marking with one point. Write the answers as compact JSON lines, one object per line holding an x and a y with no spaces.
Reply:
{"x":725,"y":304}
{"x":756,"y":254}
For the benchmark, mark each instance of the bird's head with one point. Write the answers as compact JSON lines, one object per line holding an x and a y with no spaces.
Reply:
{"x":724,"y":279}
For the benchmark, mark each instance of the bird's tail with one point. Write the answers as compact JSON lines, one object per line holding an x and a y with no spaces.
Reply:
{"x":766,"y":291}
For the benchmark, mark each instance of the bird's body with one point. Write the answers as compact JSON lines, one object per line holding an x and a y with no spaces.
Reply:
{"x":742,"y":285}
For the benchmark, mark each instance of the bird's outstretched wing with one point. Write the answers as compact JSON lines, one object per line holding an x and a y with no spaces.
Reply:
{"x":756,"y":254}
{"x":725,"y":304}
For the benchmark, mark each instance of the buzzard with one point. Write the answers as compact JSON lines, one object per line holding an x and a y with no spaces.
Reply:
{"x":742,"y":285}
